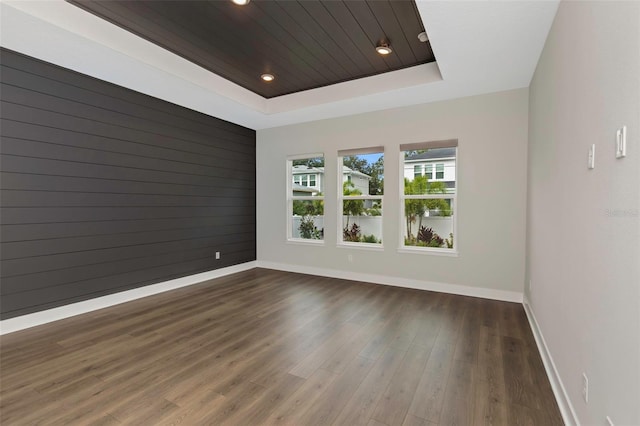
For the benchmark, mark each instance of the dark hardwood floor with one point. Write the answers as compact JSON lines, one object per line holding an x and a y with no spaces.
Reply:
{"x":268,"y":347}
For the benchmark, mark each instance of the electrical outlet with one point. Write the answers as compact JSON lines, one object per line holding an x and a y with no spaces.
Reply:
{"x":217,"y":255}
{"x":585,"y":387}
{"x":350,"y":258}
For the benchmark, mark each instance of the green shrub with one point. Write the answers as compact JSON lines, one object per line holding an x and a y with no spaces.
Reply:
{"x":370,"y":239}
{"x":308,"y":229}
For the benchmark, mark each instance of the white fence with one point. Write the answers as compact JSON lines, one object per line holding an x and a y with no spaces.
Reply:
{"x":372,"y":225}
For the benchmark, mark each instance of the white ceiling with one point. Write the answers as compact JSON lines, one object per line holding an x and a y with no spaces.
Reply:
{"x":480,"y":47}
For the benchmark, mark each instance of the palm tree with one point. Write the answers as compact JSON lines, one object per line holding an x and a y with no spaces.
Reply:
{"x":413,"y":208}
{"x":351,"y":207}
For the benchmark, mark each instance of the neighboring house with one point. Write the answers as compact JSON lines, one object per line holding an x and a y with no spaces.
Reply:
{"x":308,"y":177}
{"x":438,"y":165}
{"x":301,"y":191}
{"x":313,"y":178}
{"x":359,"y":180}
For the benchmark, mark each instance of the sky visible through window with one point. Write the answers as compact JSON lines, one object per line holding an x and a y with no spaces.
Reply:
{"x":371,"y":158}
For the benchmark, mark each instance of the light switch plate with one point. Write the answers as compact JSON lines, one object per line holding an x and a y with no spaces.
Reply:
{"x":592,"y":156}
{"x":621,"y":142}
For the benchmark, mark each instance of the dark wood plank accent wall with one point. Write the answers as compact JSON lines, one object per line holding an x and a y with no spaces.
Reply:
{"x":104,"y":189}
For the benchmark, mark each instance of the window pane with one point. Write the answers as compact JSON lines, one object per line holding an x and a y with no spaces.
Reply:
{"x":417,"y":170}
{"x":428,"y":223}
{"x":429,"y":171}
{"x":363,"y":174}
{"x":304,"y":172}
{"x":308,"y":219}
{"x":362,"y":221}
{"x":443,"y":160}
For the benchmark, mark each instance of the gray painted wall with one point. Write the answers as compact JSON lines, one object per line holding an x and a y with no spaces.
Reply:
{"x":583,"y":230}
{"x":492,"y":156}
{"x":104,"y":189}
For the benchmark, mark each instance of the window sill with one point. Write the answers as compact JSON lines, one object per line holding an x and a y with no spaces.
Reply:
{"x":429,"y":251}
{"x":305,"y":242}
{"x":361,"y":246}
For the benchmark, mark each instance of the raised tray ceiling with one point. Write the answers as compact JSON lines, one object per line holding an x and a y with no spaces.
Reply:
{"x":305,"y":44}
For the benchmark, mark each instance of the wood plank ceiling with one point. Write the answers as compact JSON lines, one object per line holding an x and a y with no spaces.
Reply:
{"x":304,"y":44}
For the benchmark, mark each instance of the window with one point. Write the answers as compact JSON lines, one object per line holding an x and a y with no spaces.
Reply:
{"x":428,"y":205}
{"x":304,"y":179}
{"x":428,"y":171}
{"x":361,"y":179}
{"x":417,"y":170}
{"x":305,"y":202}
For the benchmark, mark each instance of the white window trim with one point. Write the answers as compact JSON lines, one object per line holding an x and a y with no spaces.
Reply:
{"x":290,"y":198}
{"x":434,"y":251}
{"x":350,"y":244}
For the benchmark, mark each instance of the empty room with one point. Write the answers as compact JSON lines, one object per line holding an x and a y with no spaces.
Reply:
{"x":310,"y":212}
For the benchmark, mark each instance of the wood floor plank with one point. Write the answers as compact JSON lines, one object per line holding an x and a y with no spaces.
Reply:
{"x":193,"y":410}
{"x":336,"y":395}
{"x":292,"y":409}
{"x":267,"y":402}
{"x":411,"y":420}
{"x":458,"y":397}
{"x":360,"y":408}
{"x":335,"y":342}
{"x":490,"y":394}
{"x":266,"y":347}
{"x":242,"y":396}
{"x":428,"y":398}
{"x":392,"y":408}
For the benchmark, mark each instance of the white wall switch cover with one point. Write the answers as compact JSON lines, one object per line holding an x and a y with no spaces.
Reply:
{"x":592,"y":156}
{"x":621,"y":142}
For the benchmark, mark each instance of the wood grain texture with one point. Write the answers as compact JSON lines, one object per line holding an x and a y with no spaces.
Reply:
{"x":305,"y":44}
{"x":264,"y":347}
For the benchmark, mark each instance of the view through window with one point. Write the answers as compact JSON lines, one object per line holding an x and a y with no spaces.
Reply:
{"x":428,"y":195}
{"x":361,"y":176}
{"x":305,"y":200}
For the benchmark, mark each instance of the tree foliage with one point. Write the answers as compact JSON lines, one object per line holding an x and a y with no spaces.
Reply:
{"x":309,"y":230}
{"x":356,"y":163}
{"x":413,"y":152}
{"x":308,"y":207}
{"x":415,"y":209}
{"x":351,"y":207}
{"x":309,"y":162}
{"x":374,"y":170}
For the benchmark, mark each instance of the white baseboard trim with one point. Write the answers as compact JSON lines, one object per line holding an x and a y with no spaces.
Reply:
{"x":564,"y":403}
{"x":485,"y":293}
{"x":38,"y":318}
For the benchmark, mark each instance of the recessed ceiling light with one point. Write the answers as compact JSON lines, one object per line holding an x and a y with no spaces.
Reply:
{"x":241,"y":2}
{"x":267,"y":77}
{"x":384,"y":48}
